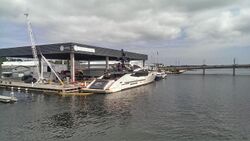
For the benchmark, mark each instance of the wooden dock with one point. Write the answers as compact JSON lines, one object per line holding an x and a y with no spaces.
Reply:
{"x":39,"y":87}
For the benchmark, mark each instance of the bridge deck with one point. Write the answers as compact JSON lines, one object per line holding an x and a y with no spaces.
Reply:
{"x":190,"y":67}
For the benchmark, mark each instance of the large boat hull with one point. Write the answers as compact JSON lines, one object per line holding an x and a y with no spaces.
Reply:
{"x":125,"y":82}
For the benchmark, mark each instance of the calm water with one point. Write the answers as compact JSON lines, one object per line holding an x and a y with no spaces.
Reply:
{"x":184,"y":107}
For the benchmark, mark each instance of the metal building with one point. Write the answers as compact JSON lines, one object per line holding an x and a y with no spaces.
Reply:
{"x":71,"y":51}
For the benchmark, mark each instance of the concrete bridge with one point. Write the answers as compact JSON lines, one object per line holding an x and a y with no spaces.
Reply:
{"x":204,"y":67}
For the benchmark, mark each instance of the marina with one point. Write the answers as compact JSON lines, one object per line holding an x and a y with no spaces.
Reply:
{"x":124,"y":70}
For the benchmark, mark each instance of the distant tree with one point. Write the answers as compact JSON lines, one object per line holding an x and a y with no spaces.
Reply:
{"x":2,"y":59}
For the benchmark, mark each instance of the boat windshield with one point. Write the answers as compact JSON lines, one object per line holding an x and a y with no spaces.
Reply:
{"x":113,"y":75}
{"x":141,"y":72}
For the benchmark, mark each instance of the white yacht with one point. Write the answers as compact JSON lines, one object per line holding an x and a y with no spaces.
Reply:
{"x":118,"y":81}
{"x":160,"y":75}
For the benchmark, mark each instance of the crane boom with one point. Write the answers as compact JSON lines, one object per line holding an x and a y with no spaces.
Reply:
{"x":35,"y":56}
{"x":33,"y":46}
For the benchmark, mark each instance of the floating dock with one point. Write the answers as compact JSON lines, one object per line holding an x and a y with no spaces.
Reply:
{"x":66,"y":90}
{"x":40,"y":87}
{"x":7,"y":99}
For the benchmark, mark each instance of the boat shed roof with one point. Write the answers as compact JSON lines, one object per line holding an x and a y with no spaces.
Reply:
{"x":62,"y":51}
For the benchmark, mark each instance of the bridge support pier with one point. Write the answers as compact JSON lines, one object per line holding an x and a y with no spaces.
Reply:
{"x":204,"y":70}
{"x":233,"y":71}
{"x":234,"y":64}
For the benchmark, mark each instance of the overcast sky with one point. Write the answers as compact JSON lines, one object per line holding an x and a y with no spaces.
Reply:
{"x":181,"y":31}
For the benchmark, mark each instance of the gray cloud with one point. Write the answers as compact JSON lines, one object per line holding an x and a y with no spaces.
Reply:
{"x":197,"y":26}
